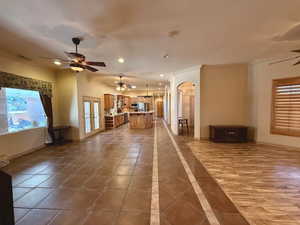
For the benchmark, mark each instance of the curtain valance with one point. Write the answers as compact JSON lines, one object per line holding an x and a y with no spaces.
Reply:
{"x":8,"y":80}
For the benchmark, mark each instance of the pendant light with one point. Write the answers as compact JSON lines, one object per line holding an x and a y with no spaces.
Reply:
{"x":147,"y":96}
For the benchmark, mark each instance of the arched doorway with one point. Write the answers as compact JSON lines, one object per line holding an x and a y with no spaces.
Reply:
{"x":186,"y":108}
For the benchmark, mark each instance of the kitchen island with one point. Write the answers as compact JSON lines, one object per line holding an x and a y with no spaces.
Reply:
{"x":141,"y":120}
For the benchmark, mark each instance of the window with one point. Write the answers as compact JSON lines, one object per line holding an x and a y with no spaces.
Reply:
{"x":87,"y":116}
{"x":286,"y":107}
{"x":20,"y":110}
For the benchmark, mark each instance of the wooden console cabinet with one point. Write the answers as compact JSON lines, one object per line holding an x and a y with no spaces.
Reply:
{"x":233,"y":134}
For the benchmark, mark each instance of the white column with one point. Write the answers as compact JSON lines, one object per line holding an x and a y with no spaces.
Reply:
{"x":197,"y":109}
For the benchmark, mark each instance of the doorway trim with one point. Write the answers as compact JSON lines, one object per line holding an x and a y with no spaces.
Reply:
{"x":191,"y":75}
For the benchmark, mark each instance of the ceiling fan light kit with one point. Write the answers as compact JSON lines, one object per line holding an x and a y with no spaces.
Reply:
{"x":57,"y":62}
{"x":76,"y":67}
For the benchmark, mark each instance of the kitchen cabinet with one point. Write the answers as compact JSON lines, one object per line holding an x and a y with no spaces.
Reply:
{"x":108,"y":101}
{"x":127,"y":102}
{"x":116,"y":120}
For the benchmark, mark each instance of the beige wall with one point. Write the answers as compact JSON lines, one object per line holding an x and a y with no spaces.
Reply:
{"x":223,"y":96}
{"x":68,"y":102}
{"x":90,"y":86}
{"x":260,"y":86}
{"x":20,"y":142}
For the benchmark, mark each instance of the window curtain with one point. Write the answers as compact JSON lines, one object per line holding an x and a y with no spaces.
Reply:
{"x":47,"y":105}
{"x":8,"y":80}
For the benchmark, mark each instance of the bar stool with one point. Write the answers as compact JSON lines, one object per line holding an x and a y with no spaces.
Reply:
{"x":183,"y":123}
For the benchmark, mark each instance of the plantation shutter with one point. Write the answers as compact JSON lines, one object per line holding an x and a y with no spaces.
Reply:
{"x":286,"y":107}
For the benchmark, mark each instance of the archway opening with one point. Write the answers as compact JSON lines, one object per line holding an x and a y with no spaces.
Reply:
{"x":186,"y":108}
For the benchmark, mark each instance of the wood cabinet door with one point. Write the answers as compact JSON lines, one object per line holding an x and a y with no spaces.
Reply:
{"x":159,"y":109}
{"x":108,"y":101}
{"x":111,"y":101}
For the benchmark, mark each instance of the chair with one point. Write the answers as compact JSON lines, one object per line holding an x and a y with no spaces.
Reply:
{"x":183,"y":123}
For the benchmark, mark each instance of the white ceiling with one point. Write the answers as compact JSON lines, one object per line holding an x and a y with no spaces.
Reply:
{"x":192,"y":32}
{"x":139,"y":82}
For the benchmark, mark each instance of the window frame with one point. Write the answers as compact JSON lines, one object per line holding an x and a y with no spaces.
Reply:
{"x":29,"y":128}
{"x":275,"y":83}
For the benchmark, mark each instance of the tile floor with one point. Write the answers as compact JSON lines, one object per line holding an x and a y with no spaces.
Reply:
{"x":108,"y":179}
{"x":263,"y":181}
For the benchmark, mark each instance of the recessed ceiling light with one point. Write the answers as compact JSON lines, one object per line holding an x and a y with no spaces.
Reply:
{"x":161,"y":75}
{"x":57,"y":62}
{"x":121,"y":60}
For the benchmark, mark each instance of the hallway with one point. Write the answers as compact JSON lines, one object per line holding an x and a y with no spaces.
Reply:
{"x":119,"y":177}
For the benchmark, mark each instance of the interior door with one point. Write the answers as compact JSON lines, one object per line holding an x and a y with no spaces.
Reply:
{"x":160,"y":109}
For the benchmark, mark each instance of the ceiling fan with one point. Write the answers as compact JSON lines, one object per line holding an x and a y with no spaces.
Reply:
{"x":122,"y":86}
{"x":288,"y":59}
{"x":77,"y":60}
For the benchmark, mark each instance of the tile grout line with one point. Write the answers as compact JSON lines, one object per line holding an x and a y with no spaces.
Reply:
{"x":198,"y":190}
{"x":155,"y":215}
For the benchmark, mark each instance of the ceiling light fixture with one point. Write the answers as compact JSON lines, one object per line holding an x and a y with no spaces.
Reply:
{"x":133,"y":86}
{"x":120,"y":88}
{"x":121,"y":60}
{"x":161,"y":75}
{"x":166,"y":56}
{"x":57,"y":62}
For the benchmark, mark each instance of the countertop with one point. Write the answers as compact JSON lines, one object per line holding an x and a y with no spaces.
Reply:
{"x":142,"y":112}
{"x":118,"y":114}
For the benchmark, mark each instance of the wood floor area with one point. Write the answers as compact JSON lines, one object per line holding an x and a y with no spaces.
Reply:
{"x":150,"y":177}
{"x":263,"y":181}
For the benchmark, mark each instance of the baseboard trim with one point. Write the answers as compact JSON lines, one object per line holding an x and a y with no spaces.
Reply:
{"x":11,"y":157}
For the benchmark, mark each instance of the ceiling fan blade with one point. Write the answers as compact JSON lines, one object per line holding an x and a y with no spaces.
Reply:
{"x":92,"y":69}
{"x":70,"y":55}
{"x":297,"y":63}
{"x":96,"y":63}
{"x":296,"y":51}
{"x":284,"y":60}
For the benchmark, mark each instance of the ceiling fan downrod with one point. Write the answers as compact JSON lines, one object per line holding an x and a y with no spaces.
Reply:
{"x":76,"y":41}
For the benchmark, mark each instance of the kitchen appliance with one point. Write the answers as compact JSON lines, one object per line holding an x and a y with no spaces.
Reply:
{"x":143,"y":107}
